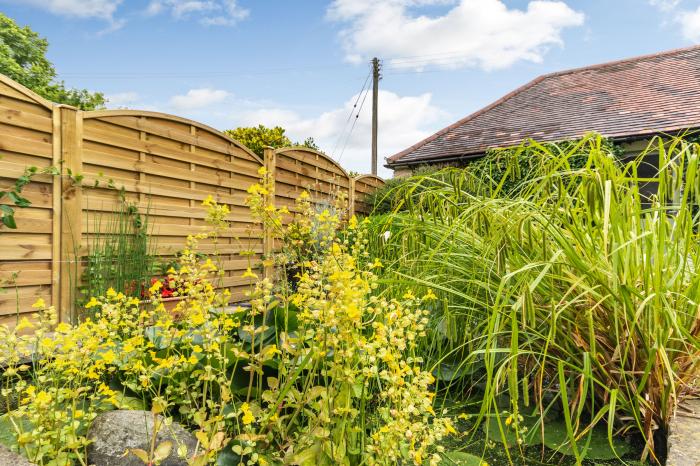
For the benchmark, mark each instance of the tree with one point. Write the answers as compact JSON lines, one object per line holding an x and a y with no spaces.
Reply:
{"x":23,"y":58}
{"x":256,"y":138}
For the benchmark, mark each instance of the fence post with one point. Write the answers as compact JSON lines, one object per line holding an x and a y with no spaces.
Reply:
{"x":71,"y":209}
{"x":351,"y":197}
{"x":268,"y":234}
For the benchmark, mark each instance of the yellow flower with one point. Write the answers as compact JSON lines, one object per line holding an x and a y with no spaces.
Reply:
{"x":429,"y":296}
{"x":197,"y":318}
{"x":157,"y":285}
{"x":63,"y":327}
{"x":43,"y":399}
{"x":24,"y":323}
{"x":377,"y":263}
{"x":249,"y":274}
{"x":108,"y":356}
{"x":111,"y":293}
{"x":208,"y":201}
{"x":92,"y":303}
{"x":509,"y":420}
{"x":408,"y":295}
{"x":262,"y":171}
{"x":248,"y":417}
{"x":39,"y":304}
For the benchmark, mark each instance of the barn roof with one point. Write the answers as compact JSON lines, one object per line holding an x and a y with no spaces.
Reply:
{"x":640,"y":96}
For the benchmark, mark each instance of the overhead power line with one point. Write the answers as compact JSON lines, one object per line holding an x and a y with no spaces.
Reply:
{"x":352,"y":110}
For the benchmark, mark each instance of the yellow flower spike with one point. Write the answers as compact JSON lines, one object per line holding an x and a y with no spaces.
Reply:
{"x":249,"y":274}
{"x":262,"y":171}
{"x":429,"y":296}
{"x":24,"y":323}
{"x":208,"y":201}
{"x":39,"y":304}
{"x":43,"y":399}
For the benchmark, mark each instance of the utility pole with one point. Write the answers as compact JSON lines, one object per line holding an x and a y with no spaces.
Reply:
{"x":375,"y":107}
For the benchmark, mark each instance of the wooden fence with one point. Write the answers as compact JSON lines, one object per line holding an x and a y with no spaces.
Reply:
{"x":161,"y":163}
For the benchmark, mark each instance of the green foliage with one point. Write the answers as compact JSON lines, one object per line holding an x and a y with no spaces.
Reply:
{"x":568,"y":290}
{"x":23,"y":59}
{"x":14,"y":194}
{"x":501,"y":172}
{"x":257,"y":138}
{"x":384,"y":199}
{"x":120,"y":252}
{"x":324,"y":374}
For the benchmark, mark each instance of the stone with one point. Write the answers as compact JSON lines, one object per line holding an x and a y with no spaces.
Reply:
{"x":8,"y":458}
{"x":115,"y":432}
{"x":684,"y":436}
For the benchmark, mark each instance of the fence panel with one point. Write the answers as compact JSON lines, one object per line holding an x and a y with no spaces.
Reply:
{"x":365,"y":185}
{"x":27,"y":138}
{"x":300,"y":169}
{"x":161,"y":164}
{"x":167,"y":166}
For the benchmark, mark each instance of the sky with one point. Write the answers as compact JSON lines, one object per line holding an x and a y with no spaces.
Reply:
{"x":304,"y":64}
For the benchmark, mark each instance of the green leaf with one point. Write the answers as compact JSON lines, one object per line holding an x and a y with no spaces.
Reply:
{"x":18,"y":200}
{"x":227,"y":457}
{"x":9,"y":221}
{"x":599,"y":447}
{"x":460,"y":458}
{"x":155,"y":336}
{"x":140,"y":454}
{"x":162,"y":451}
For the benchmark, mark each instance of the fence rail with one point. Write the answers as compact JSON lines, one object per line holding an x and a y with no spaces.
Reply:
{"x":163,"y":163}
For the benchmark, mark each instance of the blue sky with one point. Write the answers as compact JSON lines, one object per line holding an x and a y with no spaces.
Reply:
{"x":302,"y":63}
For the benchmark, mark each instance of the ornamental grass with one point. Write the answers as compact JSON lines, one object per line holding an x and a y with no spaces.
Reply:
{"x":572,"y":294}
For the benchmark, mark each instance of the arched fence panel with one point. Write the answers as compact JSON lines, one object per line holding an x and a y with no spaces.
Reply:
{"x":364,"y":185}
{"x":298,"y":169}
{"x":162,"y":167}
{"x":167,"y":166}
{"x":28,"y":138}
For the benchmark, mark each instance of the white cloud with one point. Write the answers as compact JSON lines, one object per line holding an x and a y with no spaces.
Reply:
{"x":127,"y":99}
{"x":84,"y":9}
{"x":208,"y":12}
{"x":665,"y":5}
{"x":483,"y":33}
{"x":403,"y":121}
{"x":690,"y":24}
{"x":198,"y":98}
{"x":78,"y":8}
